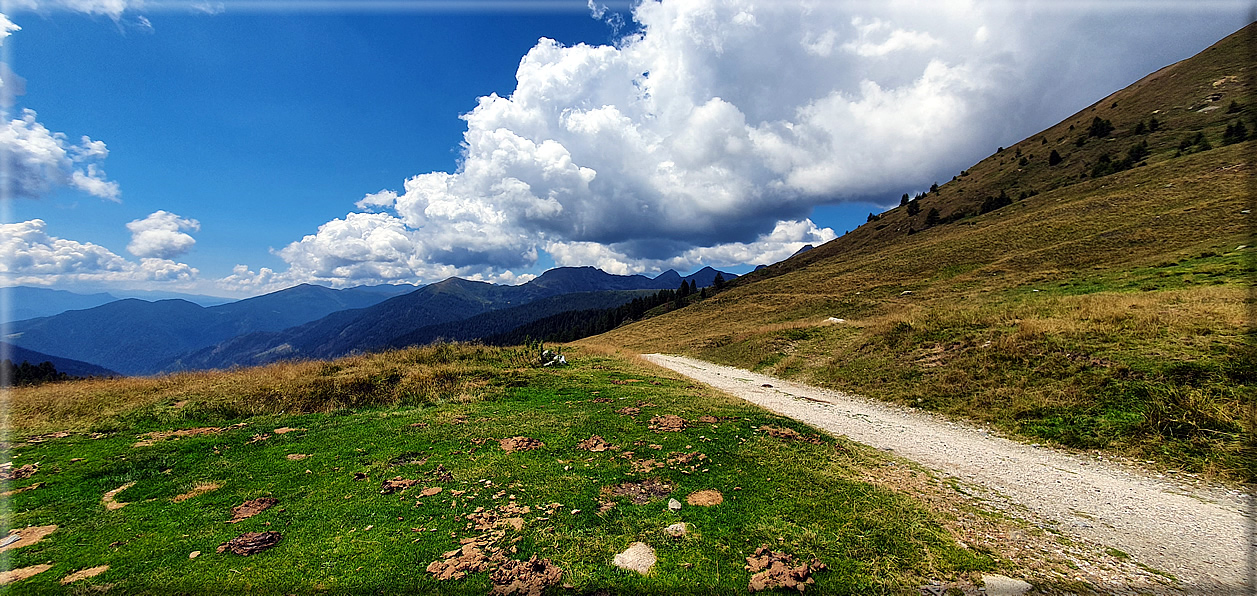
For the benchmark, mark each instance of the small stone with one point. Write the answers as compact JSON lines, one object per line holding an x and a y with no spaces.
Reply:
{"x":639,"y":557}
{"x":677,"y":530}
{"x":674,"y":505}
{"x":194,"y":554}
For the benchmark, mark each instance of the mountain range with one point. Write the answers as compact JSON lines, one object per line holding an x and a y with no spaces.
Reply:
{"x":137,"y":337}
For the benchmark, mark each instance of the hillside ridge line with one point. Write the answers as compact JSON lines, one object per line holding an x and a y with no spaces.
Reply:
{"x":1200,"y":534}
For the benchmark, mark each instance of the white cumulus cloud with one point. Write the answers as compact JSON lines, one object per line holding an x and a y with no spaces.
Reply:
{"x":705,"y":137}
{"x":30,"y":255}
{"x":162,"y":235}
{"x":39,"y":160}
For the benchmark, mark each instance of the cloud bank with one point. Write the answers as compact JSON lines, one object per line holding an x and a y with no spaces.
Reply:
{"x":705,"y":138}
{"x":31,"y":256}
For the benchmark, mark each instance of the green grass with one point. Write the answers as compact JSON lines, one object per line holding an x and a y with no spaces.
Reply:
{"x":340,"y":535}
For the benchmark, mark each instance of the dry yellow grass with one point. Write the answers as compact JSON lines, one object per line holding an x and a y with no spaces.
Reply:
{"x":416,"y":375}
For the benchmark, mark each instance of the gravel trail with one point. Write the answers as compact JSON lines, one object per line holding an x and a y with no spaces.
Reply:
{"x":1203,"y":535}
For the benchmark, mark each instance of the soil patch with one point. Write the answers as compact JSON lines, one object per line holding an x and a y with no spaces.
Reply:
{"x":640,"y":492}
{"x":790,"y":434}
{"x":164,"y":435}
{"x":84,"y":574}
{"x":629,"y":411}
{"x":251,"y":508}
{"x":520,"y":444}
{"x":9,"y":493}
{"x":17,"y":575}
{"x":285,"y":430}
{"x":197,"y":490}
{"x":594,"y":443}
{"x":686,"y":462}
{"x":529,"y":577}
{"x":469,"y":558}
{"x":48,"y":437}
{"x":410,"y":458}
{"x":296,"y":456}
{"x":8,"y":472}
{"x":773,"y":570}
{"x":109,"y":498}
{"x":251,"y":543}
{"x":396,"y":485}
{"x":646,"y":466}
{"x":667,"y":423}
{"x":705,"y":498}
{"x":26,"y":536}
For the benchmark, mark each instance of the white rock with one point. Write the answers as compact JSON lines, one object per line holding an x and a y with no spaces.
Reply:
{"x":638,"y":557}
{"x":674,"y":505}
{"x":677,"y":530}
{"x":999,"y":585}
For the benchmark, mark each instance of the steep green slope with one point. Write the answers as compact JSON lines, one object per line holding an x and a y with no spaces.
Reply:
{"x":1102,"y":310}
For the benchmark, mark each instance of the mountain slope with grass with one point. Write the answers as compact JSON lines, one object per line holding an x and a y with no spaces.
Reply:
{"x":1101,"y":300}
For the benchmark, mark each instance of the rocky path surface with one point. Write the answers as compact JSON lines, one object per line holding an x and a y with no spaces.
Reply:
{"x":1203,"y":535}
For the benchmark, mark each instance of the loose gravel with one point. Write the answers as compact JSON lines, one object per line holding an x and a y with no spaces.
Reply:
{"x":1204,"y":535}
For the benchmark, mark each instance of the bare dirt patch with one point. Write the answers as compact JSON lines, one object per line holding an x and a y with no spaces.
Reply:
{"x":296,"y":456}
{"x":705,"y":498}
{"x":686,"y":462}
{"x":646,"y":466}
{"x":520,"y":444}
{"x":409,"y":458}
{"x":640,"y":492}
{"x":84,"y":574}
{"x":594,"y":443}
{"x":251,"y":543}
{"x":8,"y":472}
{"x":196,"y":491}
{"x":530,"y":577}
{"x":667,"y":423}
{"x":151,"y":438}
{"x":629,"y":411}
{"x":27,"y":536}
{"x":17,"y":575}
{"x":48,"y":437}
{"x":251,"y":508}
{"x":285,"y":430}
{"x":396,"y":484}
{"x":109,"y":498}
{"x":10,"y":493}
{"x":469,"y":558}
{"x":790,"y":434}
{"x":773,"y":570}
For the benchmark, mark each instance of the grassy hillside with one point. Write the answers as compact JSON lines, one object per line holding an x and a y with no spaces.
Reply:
{"x":141,"y":475}
{"x":1096,"y":309}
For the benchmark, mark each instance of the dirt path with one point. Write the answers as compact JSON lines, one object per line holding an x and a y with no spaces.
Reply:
{"x":1200,"y":534}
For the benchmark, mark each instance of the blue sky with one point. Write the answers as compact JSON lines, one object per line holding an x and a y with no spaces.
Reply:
{"x":246,"y":142}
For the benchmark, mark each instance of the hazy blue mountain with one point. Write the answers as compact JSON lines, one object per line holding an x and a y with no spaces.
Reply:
{"x":452,"y":309}
{"x":28,"y":303}
{"x":74,"y":368}
{"x":155,"y":295}
{"x":307,"y":321}
{"x":134,"y":336}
